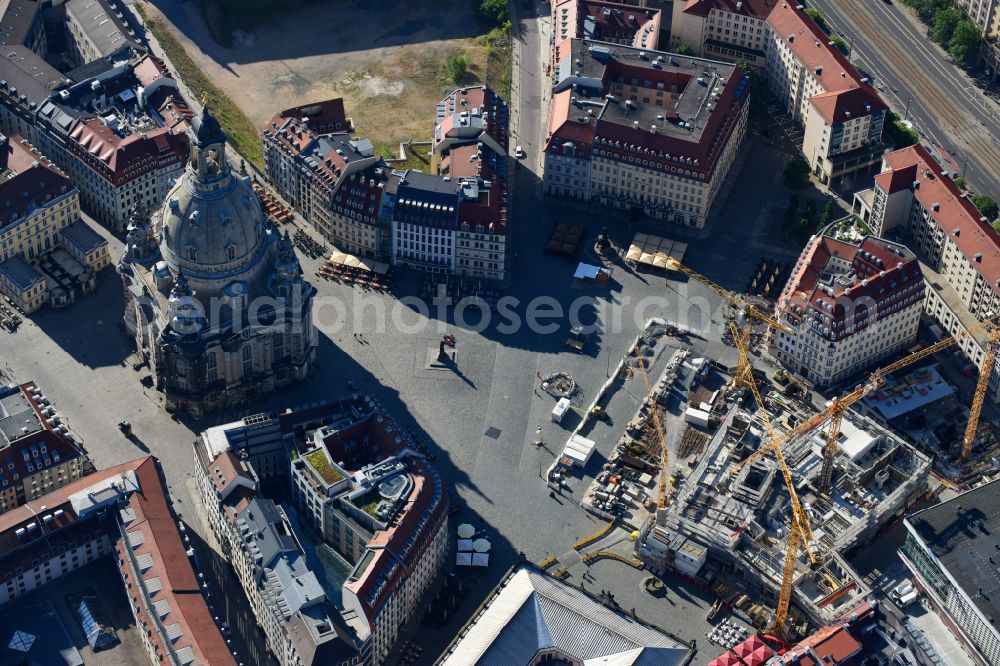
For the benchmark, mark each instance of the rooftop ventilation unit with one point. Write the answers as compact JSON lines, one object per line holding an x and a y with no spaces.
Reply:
{"x":935,"y":206}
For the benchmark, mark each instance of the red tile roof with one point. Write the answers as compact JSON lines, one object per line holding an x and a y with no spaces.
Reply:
{"x":754,"y":8}
{"x":811,"y":46}
{"x":838,"y":106}
{"x":396,"y":548}
{"x":326,"y":116}
{"x":120,"y":160}
{"x":886,"y":275}
{"x":179,"y":584}
{"x":975,"y":237}
{"x":27,"y":179}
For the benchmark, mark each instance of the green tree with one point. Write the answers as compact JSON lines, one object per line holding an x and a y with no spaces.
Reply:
{"x":493,"y":12}
{"x":456,"y":67}
{"x":986,"y":205}
{"x":961,"y":184}
{"x":944,"y":24}
{"x":684,"y":50}
{"x":996,"y":226}
{"x":791,"y":215}
{"x":828,"y":212}
{"x":757,"y":87}
{"x":817,"y":17}
{"x":807,"y":223}
{"x":964,"y":44}
{"x":797,"y":173}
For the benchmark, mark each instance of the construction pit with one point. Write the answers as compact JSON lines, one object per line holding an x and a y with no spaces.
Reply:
{"x":739,"y":518}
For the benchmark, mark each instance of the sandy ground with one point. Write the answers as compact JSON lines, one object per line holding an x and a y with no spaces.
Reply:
{"x":384,"y":62}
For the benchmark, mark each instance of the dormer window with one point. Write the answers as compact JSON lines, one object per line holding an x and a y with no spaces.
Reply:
{"x":192,"y":253}
{"x":231,"y":252}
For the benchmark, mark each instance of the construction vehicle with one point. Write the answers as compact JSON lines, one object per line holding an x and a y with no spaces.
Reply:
{"x":835,"y":412}
{"x":654,"y":414}
{"x":800,"y":533}
{"x":748,"y":312}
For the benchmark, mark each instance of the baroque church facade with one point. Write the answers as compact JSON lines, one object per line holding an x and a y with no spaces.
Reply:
{"x":215,"y":296}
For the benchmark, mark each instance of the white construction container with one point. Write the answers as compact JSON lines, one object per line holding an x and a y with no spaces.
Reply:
{"x":559,"y":411}
{"x":698,"y":417}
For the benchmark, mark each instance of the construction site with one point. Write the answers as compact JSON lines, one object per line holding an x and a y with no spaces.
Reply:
{"x":742,"y":515}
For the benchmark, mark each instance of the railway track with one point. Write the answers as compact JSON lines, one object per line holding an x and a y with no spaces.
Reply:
{"x":942,"y":97}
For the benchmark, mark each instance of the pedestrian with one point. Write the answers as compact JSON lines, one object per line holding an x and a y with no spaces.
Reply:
{"x":538,"y":374}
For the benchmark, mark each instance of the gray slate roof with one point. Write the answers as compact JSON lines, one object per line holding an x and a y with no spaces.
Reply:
{"x":532,"y":611}
{"x":20,"y":272}
{"x":964,"y":533}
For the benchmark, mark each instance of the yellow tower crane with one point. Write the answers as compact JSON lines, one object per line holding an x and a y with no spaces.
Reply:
{"x":989,"y":360}
{"x":749,"y":312}
{"x":654,"y":414}
{"x":835,"y":412}
{"x":800,"y":533}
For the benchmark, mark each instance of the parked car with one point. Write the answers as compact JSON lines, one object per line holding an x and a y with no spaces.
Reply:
{"x":519,"y":153}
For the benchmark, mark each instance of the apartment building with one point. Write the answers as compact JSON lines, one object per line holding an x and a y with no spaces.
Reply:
{"x":843,"y":131}
{"x":612,"y":22}
{"x":644,"y":131}
{"x":38,"y":454}
{"x":163,"y":588}
{"x":916,"y":200}
{"x":39,"y":216}
{"x":470,"y":143}
{"x":114,"y":124}
{"x":454,"y":221}
{"x":841,"y":114}
{"x":119,"y":134}
{"x":849,"y":305}
{"x":949,"y":549}
{"x":123,"y":510}
{"x":97,"y":28}
{"x":981,"y":12}
{"x":384,"y":509}
{"x":722,"y":29}
{"x":301,"y":627}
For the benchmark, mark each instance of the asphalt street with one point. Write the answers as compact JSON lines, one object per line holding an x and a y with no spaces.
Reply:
{"x":919,"y":81}
{"x":482,"y":419}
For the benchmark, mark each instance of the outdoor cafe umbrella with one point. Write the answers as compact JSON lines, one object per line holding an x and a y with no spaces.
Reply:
{"x":465,"y":545}
{"x":481,"y":546}
{"x":466,"y":531}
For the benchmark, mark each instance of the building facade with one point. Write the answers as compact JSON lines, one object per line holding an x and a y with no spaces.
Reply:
{"x":40,"y":228}
{"x":841,"y":114}
{"x":454,"y":221}
{"x":643,"y":131}
{"x":216,"y":300}
{"x":946,"y":549}
{"x":125,"y":511}
{"x":112,"y":118}
{"x":38,"y":454}
{"x":915,"y":199}
{"x":301,"y":626}
{"x":727,"y":30}
{"x":384,"y":509}
{"x":850,"y":306}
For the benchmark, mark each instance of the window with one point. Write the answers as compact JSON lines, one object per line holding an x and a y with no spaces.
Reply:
{"x":247,"y":361}
{"x":211,"y":369}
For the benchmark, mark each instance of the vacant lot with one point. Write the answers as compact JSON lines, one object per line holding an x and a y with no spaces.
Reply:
{"x":385,"y":58}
